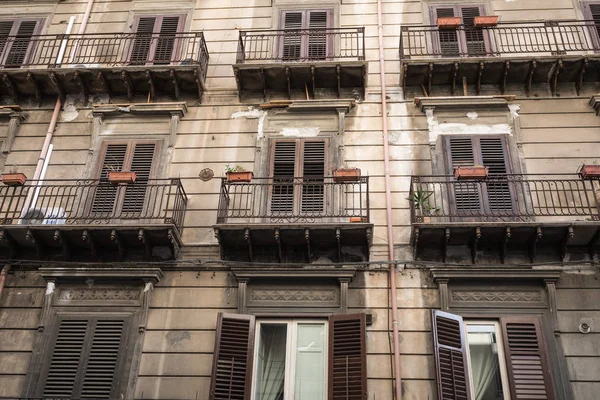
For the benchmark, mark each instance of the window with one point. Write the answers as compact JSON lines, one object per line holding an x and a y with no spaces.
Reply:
{"x":298,"y":170}
{"x":126,"y":200}
{"x":156,"y":39}
{"x":591,"y":12}
{"x":16,"y":40}
{"x":306,"y":35}
{"x":293,"y":358}
{"x":470,"y":40}
{"x":497,"y":359}
{"x":492,"y":196}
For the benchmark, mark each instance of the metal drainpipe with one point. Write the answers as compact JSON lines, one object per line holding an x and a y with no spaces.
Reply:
{"x":3,"y":274}
{"x":388,"y":205}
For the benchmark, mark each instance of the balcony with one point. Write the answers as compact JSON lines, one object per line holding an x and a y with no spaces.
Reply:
{"x":92,"y":220}
{"x":117,"y":64}
{"x":537,"y":217}
{"x":526,"y":53}
{"x":294,"y":220}
{"x":316,"y":63}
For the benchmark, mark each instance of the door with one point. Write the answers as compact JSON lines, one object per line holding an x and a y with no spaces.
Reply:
{"x":467,"y":41}
{"x":17,"y":41}
{"x":306,"y":35}
{"x":155,"y":40}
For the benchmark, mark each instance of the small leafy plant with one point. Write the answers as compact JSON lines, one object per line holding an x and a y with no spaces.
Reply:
{"x":237,"y":168}
{"x":420,"y":199}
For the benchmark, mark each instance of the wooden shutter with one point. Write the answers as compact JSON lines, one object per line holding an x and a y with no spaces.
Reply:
{"x":141,"y":163}
{"x":347,"y":357}
{"x":526,"y":359}
{"x":84,"y":359}
{"x":292,"y":41}
{"x":143,"y":40}
{"x":232,"y":357}
{"x":284,"y":171}
{"x":318,"y":22}
{"x":165,"y":44}
{"x":5,"y":30}
{"x":474,"y":37}
{"x":19,"y":48}
{"x":494,"y":156}
{"x":448,"y":38}
{"x":467,"y":195}
{"x":105,"y":195}
{"x":449,"y":343}
{"x":313,"y":173}
{"x":592,"y":13}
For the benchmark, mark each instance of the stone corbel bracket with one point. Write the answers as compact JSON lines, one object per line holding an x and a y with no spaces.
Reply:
{"x":174,"y":110}
{"x":499,"y":103}
{"x":15,"y":115}
{"x":595,"y":103}
{"x":342,"y":107}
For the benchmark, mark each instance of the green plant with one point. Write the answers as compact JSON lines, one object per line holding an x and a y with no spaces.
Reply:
{"x":237,"y":168}
{"x":420,"y":199}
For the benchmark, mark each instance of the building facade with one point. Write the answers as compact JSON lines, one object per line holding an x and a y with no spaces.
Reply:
{"x":421,"y":220}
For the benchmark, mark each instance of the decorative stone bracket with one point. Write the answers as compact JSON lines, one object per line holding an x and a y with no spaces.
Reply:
{"x":15,"y":116}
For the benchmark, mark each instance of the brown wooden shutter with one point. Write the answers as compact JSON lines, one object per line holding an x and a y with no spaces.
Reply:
{"x":494,"y":156}
{"x":473,"y":37}
{"x":284,"y":171}
{"x":526,"y":359}
{"x":318,"y":21}
{"x":165,"y":44}
{"x":448,"y":38}
{"x":143,"y":40}
{"x":450,"y":356}
{"x":467,"y":195}
{"x":292,"y":41}
{"x":105,"y":195}
{"x":232,"y":357}
{"x":5,"y":30}
{"x":347,"y":357}
{"x":313,"y":173}
{"x":21,"y":43}
{"x":141,"y":163}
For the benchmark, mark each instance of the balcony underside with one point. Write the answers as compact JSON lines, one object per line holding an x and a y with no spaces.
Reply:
{"x":151,"y":80}
{"x":502,"y":71}
{"x":295,"y":243}
{"x":298,"y":78}
{"x":89,"y":242}
{"x":507,"y":242}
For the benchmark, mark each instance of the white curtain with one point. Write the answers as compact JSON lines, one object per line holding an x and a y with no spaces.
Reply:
{"x":272,"y":365}
{"x":484,"y":363}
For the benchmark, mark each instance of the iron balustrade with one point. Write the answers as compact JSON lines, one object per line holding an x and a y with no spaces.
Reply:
{"x":507,"y":38}
{"x":299,"y":45}
{"x":104,"y":49}
{"x":504,"y":198}
{"x":93,"y":202}
{"x":294,"y":200}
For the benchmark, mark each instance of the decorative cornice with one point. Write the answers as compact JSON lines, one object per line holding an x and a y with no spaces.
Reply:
{"x":293,"y":295}
{"x":152,"y":275}
{"x":322,"y":105}
{"x":481,"y":273}
{"x":98,"y":294}
{"x":333,"y":273}
{"x":499,"y":103}
{"x":506,"y":296}
{"x":163,"y":109}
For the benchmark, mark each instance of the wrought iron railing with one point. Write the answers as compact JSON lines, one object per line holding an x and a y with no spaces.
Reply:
{"x":292,"y":200}
{"x":104,"y":49}
{"x":300,"y":45}
{"x":511,"y":198}
{"x":93,"y":202}
{"x":507,"y":38}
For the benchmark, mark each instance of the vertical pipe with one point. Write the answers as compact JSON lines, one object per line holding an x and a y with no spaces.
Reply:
{"x":86,"y":17}
{"x":388,"y":205}
{"x":3,"y":274}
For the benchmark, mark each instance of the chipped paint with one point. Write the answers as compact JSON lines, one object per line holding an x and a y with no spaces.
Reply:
{"x":253,"y":113}
{"x":436,"y":128}
{"x":50,"y":288}
{"x":472,"y":115}
{"x":300,"y":132}
{"x":514,"y":110}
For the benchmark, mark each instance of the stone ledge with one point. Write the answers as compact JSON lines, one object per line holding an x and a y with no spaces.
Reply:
{"x":462,"y":102}
{"x":165,"y":109}
{"x":152,"y":275}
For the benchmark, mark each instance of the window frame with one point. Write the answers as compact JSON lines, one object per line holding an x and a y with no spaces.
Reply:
{"x":594,"y":29}
{"x":291,"y":345}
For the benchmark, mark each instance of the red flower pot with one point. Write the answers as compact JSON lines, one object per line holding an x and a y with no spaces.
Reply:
{"x":17,"y":179}
{"x":589,"y":172}
{"x":485,"y":21}
{"x":121,"y":177}
{"x":346,"y":175}
{"x":466,"y":173}
{"x":240,"y":176}
{"x":448,"y":22}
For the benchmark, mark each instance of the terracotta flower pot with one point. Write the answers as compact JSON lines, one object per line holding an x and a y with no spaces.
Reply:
{"x":485,"y":21}
{"x":17,"y":179}
{"x":448,"y":22}
{"x":589,"y":172}
{"x":356,"y":220}
{"x":240,"y":176}
{"x":466,"y":173}
{"x":346,"y":175}
{"x":121,"y":177}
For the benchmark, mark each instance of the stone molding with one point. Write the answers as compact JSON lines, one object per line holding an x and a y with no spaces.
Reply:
{"x":150,"y":275}
{"x":459,"y":103}
{"x":293,"y":295}
{"x":94,"y":294}
{"x":508,"y":296}
{"x":15,"y":116}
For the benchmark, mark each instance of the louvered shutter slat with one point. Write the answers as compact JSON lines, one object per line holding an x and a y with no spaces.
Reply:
{"x":292,"y":40}
{"x":313,"y":177}
{"x":102,"y":361}
{"x":106,"y":194}
{"x":66,"y":357}
{"x":318,"y":22}
{"x":493,"y":156}
{"x":526,"y":359}
{"x":284,"y":165}
{"x":5,"y":29}
{"x":347,"y":357}
{"x":141,"y":164}
{"x":143,"y":40}
{"x":448,"y":38}
{"x":450,"y":356}
{"x":474,"y":37}
{"x":21,"y":44}
{"x":166,"y":41}
{"x":232,"y":364}
{"x":466,"y":194}
{"x":594,"y":14}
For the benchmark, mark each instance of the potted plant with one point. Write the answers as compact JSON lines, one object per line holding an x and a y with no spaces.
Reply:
{"x":238,"y":174}
{"x":420,"y":200}
{"x":346,"y":175}
{"x":485,"y":21}
{"x":589,"y":171}
{"x":471,"y":172}
{"x":448,"y":22}
{"x":356,"y":220}
{"x":13,"y":178}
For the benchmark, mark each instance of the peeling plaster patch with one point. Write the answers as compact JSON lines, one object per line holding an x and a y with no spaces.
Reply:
{"x":253,"y":113}
{"x":300,"y":132}
{"x":472,"y":115}
{"x":394,"y":137}
{"x":69,"y":110}
{"x":149,"y":286}
{"x":436,"y":129}
{"x":50,"y":288}
{"x":514,"y":110}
